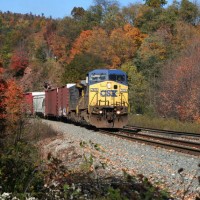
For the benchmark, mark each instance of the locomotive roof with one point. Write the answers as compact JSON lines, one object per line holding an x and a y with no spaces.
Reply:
{"x":108,"y":71}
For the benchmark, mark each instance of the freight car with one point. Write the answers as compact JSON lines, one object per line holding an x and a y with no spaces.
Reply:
{"x":34,"y":103}
{"x":101,"y":100}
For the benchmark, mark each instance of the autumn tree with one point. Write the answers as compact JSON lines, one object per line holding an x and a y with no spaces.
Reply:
{"x":3,"y":87}
{"x":184,"y":33}
{"x":80,"y":44}
{"x":124,"y":43}
{"x":19,"y":61}
{"x":11,"y":99}
{"x":114,"y":49}
{"x":13,"y":107}
{"x":180,"y":89}
{"x":56,"y":43}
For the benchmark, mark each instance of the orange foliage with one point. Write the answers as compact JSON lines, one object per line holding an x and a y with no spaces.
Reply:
{"x":118,"y":47}
{"x":80,"y":44}
{"x":11,"y":99}
{"x":125,"y":42}
{"x":58,"y":45}
{"x":13,"y":102}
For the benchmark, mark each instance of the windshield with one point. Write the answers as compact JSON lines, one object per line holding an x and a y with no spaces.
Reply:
{"x":97,"y":77}
{"x":117,"y":77}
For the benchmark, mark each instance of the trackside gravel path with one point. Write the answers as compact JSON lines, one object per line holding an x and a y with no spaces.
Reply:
{"x":157,"y":164}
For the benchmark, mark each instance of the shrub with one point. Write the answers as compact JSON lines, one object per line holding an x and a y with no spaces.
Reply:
{"x":19,"y":172}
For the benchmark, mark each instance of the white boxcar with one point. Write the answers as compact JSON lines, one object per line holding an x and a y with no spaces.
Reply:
{"x":38,"y":103}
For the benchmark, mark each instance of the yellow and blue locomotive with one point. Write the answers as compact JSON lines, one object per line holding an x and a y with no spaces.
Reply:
{"x":107,"y":98}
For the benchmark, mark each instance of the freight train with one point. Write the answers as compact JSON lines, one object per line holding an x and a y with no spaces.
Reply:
{"x":101,"y":100}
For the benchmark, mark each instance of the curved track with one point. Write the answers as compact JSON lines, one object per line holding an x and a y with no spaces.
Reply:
{"x":166,"y":132}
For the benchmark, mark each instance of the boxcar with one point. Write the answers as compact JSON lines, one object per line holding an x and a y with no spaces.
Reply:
{"x":51,"y":103}
{"x":38,"y":103}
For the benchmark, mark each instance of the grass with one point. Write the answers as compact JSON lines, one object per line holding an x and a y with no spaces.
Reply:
{"x":37,"y":130}
{"x":163,"y":123}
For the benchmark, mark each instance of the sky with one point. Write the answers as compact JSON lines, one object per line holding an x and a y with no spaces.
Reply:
{"x":53,"y":8}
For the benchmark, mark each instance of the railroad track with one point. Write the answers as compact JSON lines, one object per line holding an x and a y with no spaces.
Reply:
{"x":185,"y":146}
{"x":166,"y":132}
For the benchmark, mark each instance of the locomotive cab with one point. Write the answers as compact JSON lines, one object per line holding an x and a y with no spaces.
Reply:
{"x":108,"y":98}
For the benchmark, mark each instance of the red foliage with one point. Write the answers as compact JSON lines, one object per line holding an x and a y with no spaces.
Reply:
{"x":11,"y":99}
{"x":19,"y":61}
{"x":1,"y":71}
{"x":2,"y":90}
{"x":3,"y":87}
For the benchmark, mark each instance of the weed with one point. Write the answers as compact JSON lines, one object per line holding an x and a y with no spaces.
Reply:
{"x":187,"y":186}
{"x":163,"y":123}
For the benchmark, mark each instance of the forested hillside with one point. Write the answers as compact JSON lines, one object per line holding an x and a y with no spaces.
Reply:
{"x":157,"y":45}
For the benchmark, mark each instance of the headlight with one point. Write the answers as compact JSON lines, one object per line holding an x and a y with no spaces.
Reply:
{"x":108,"y":85}
{"x":93,"y":89}
{"x":101,"y":111}
{"x":118,"y":112}
{"x":123,"y":90}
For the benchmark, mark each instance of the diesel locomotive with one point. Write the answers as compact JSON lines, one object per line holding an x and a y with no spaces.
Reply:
{"x":101,"y":100}
{"x":108,"y":98}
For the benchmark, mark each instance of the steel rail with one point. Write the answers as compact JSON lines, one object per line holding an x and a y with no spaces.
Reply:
{"x":175,"y":133}
{"x":157,"y":137}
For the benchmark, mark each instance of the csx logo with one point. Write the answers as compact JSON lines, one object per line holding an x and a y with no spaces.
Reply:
{"x":108,"y":93}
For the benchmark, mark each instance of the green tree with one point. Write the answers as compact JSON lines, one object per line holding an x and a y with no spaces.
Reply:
{"x":80,"y":66}
{"x":69,"y":28}
{"x":155,"y":3}
{"x":41,"y":54}
{"x":152,"y":52}
{"x":113,"y":18}
{"x":188,"y":11}
{"x":105,"y":4}
{"x":78,"y":13}
{"x":147,"y":18}
{"x":138,"y":88}
{"x":129,"y":13}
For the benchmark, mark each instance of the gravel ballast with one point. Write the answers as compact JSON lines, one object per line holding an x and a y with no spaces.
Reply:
{"x":158,"y":164}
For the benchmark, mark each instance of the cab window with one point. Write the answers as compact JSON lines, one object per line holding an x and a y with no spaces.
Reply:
{"x":117,"y":77}
{"x":94,"y":78}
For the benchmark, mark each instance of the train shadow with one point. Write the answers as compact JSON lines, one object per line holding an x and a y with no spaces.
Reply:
{"x":80,"y":124}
